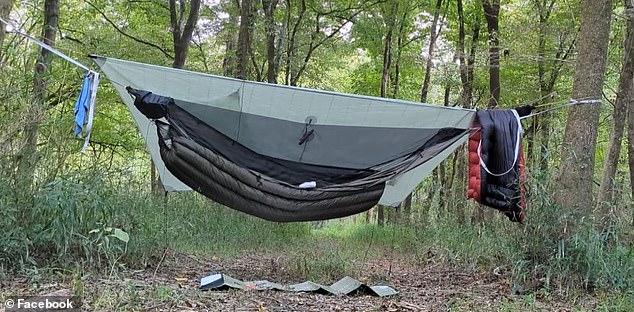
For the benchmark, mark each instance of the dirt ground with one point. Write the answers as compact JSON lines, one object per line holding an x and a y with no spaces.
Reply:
{"x":171,"y":284}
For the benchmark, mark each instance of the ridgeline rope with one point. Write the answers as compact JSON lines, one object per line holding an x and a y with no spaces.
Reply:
{"x":45,"y":46}
{"x":563,"y":104}
{"x":91,"y":91}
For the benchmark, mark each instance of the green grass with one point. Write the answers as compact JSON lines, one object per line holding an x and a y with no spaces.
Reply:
{"x":72,"y":221}
{"x":620,"y":302}
{"x":191,"y":223}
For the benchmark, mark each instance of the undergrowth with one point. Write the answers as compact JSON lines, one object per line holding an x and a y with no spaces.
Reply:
{"x":67,"y":221}
{"x":78,"y":220}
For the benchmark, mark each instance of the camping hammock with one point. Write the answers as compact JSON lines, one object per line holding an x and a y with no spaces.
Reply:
{"x":284,"y":153}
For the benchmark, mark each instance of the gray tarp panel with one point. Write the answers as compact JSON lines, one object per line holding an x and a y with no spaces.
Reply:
{"x":331,"y":145}
{"x":293,"y":107}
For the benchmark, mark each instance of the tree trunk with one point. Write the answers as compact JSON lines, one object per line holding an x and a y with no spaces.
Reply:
{"x":387,"y":58}
{"x":369,"y":215}
{"x":385,"y":76}
{"x":466,"y":63}
{"x":244,"y":40}
{"x":433,"y":35}
{"x":458,"y":178}
{"x":491,"y":12}
{"x":5,"y":9}
{"x":380,"y":215}
{"x":451,"y":179}
{"x":547,"y":82}
{"x":399,"y":52}
{"x":575,"y":180}
{"x":29,"y":158}
{"x":630,"y":114}
{"x":630,"y":140}
{"x":271,"y":53}
{"x":440,"y":171}
{"x":229,"y":60}
{"x":444,"y":183}
{"x":182,"y":29}
{"x":619,"y":115}
{"x":181,"y":37}
{"x":541,"y":76}
{"x":291,"y":44}
{"x":405,"y":208}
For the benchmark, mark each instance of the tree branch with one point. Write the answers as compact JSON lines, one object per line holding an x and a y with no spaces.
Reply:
{"x":164,"y":51}
{"x":174,"y":22}
{"x":181,"y":16}
{"x":314,"y":45}
{"x":190,"y":24}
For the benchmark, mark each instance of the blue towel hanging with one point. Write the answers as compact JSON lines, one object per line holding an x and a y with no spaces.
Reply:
{"x":82,"y":104}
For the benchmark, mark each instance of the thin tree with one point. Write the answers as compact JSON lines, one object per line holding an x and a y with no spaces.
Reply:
{"x":630,"y":110}
{"x":575,"y":180}
{"x":5,"y":9}
{"x":548,"y":75}
{"x":492,"y":13}
{"x":387,"y":49}
{"x":269,"y":7}
{"x":466,"y":59}
{"x":467,"y":64}
{"x":182,"y":28}
{"x":244,"y":40}
{"x":406,"y":205}
{"x":28,"y":157}
{"x":292,"y":29}
{"x":434,"y":33}
{"x":296,"y":64}
{"x":230,"y":39}
{"x":620,"y":113}
{"x":385,"y":73}
{"x":630,"y":140}
{"x":402,"y":41}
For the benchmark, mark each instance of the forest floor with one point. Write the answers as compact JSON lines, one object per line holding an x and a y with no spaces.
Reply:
{"x":171,"y":283}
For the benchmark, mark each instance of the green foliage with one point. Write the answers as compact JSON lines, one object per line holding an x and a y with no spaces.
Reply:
{"x":163,"y":292}
{"x":192,"y":223}
{"x":324,"y":261}
{"x":619,"y":302}
{"x":562,"y":254}
{"x":69,"y":220}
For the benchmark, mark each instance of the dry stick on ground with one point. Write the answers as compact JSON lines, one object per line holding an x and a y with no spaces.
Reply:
{"x":158,"y":266}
